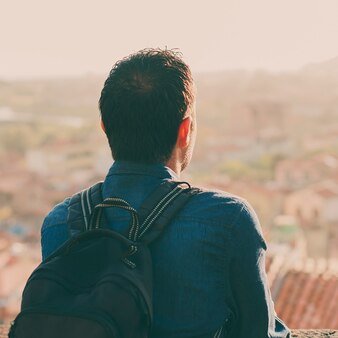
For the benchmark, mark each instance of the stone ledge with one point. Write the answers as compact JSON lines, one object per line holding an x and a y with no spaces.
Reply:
{"x":314,"y":333}
{"x":295,"y":333}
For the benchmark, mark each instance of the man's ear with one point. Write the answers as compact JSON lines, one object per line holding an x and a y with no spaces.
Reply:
{"x":184,"y":129}
{"x":103,"y":127}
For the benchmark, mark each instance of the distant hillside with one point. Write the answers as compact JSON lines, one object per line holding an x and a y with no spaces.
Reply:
{"x":69,"y":96}
{"x":315,"y":84}
{"x":327,"y":68}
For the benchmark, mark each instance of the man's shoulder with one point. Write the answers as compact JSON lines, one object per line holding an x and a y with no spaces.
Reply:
{"x":218,"y":195}
{"x":227,"y":210}
{"x":58,"y":215}
{"x":216,"y":206}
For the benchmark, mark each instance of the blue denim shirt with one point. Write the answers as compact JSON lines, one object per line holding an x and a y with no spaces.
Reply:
{"x":209,"y":263}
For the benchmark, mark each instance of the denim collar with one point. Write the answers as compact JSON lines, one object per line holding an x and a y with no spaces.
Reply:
{"x":133,"y":168}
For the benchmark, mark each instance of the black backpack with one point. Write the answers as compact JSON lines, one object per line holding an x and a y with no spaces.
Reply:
{"x":99,"y":283}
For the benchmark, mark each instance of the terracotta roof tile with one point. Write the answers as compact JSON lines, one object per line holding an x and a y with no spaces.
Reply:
{"x":307,"y":288}
{"x":308,"y":295}
{"x":331,"y":310}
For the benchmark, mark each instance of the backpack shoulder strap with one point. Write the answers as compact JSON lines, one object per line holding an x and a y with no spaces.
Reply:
{"x":81,"y":206}
{"x":161,"y":206}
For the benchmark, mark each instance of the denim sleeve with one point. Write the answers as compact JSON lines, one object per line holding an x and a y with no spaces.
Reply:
{"x":256,"y":316}
{"x":54,"y":230}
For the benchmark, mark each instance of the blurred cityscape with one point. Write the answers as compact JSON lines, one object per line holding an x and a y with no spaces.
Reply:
{"x":271,"y":138}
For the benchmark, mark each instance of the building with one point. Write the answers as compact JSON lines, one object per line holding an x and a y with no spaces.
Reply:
{"x":316,"y":210}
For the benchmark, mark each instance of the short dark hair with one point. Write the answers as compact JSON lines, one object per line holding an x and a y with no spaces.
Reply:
{"x":143,"y":102}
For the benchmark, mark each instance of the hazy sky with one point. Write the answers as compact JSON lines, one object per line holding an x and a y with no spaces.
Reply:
{"x":71,"y":37}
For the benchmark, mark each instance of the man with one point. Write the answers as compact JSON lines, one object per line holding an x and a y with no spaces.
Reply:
{"x":209,"y":263}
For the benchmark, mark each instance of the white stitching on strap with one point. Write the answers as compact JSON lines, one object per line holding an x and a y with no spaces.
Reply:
{"x":218,"y":332}
{"x":88,"y":203}
{"x":158,"y":205}
{"x":84,"y":210}
{"x":97,"y":225}
{"x":159,"y":212}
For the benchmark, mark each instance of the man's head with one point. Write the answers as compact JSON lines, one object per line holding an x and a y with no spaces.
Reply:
{"x":147,"y":108}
